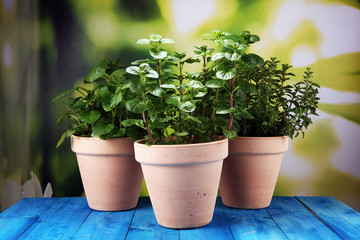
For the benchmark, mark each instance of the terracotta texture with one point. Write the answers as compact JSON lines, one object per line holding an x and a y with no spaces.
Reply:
{"x":250,"y":171}
{"x":111,"y":177}
{"x":182,"y":180}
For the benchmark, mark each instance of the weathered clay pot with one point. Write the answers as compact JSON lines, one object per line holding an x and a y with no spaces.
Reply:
{"x":111,"y":177}
{"x":250,"y":171}
{"x":182,"y":180}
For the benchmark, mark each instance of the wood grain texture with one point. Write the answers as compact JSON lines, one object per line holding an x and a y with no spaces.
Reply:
{"x":217,"y":229}
{"x":252,"y":224}
{"x":144,"y":225}
{"x":286,"y":218}
{"x":296,"y":221}
{"x":106,"y":225}
{"x":342,"y":219}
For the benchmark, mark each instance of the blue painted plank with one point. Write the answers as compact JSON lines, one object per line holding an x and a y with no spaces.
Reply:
{"x":144,"y":225}
{"x":344,"y":220}
{"x":105,"y":225}
{"x":60,"y":221}
{"x":296,"y":221}
{"x":28,"y":207}
{"x":217,"y":229}
{"x":252,"y":224}
{"x":12,"y":228}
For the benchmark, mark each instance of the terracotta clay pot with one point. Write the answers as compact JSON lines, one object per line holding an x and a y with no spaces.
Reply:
{"x":111,"y":177}
{"x":182,"y":180}
{"x":250,"y":171}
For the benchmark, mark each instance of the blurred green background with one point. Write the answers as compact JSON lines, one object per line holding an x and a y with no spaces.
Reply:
{"x":46,"y":46}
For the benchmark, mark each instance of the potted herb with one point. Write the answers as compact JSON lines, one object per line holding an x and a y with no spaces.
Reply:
{"x":265,"y":109}
{"x":100,"y":136}
{"x":182,"y":155}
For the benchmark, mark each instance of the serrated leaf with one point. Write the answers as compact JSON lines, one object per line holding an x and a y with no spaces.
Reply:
{"x":155,"y":37}
{"x":158,"y":92}
{"x":89,"y":117}
{"x":97,"y":72}
{"x":217,"y":56}
{"x":194,"y":84}
{"x":131,"y":122}
{"x":230,"y":134}
{"x":133,"y":70}
{"x":157,"y":54}
{"x":143,"y":41}
{"x":101,"y":128}
{"x":232,"y":56}
{"x":118,"y":73}
{"x":136,"y":106}
{"x":215,"y":83}
{"x":152,"y":74}
{"x":225,"y":75}
{"x":187,"y":106}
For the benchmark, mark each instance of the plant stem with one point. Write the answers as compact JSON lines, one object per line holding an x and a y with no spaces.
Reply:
{"x":145,"y":123}
{"x":181,"y":94}
{"x":231,"y":105}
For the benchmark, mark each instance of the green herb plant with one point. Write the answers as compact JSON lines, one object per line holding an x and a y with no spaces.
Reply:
{"x":96,"y":108}
{"x":263,"y":100}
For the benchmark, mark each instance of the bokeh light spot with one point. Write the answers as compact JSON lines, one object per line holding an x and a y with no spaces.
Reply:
{"x":302,"y":56}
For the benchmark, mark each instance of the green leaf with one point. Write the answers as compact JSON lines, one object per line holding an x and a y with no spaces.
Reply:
{"x":158,"y":54}
{"x":230,"y":134}
{"x":168,"y":86}
{"x":135,"y":85}
{"x":143,"y":41}
{"x":226,"y":75}
{"x":141,"y":61}
{"x":194,"y":84}
{"x":167,"y":40}
{"x":61,"y":140}
{"x":225,"y":111}
{"x":217,"y":56}
{"x":245,"y":115}
{"x":152,"y":74}
{"x":131,"y":122}
{"x":61,"y":118}
{"x":254,"y":38}
{"x":101,"y":128}
{"x":181,"y":134}
{"x":109,"y":100}
{"x":63,"y":94}
{"x":158,"y":92}
{"x":155,"y":37}
{"x":215,"y":83}
{"x":118,"y":73}
{"x":187,"y":106}
{"x":193,"y":119}
{"x":228,"y":43}
{"x":89,"y":117}
{"x":97,"y":72}
{"x":136,"y":106}
{"x":253,"y":60}
{"x":232,"y":56}
{"x":133,"y":70}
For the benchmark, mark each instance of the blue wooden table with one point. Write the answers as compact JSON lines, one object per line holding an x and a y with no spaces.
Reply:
{"x":286,"y":218}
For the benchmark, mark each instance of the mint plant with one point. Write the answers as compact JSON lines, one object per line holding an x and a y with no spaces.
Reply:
{"x":96,"y":107}
{"x":174,"y":103}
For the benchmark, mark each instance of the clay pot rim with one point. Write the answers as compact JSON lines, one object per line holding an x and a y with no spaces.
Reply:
{"x":141,"y":143}
{"x":97,"y":138}
{"x":262,"y":138}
